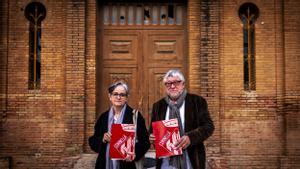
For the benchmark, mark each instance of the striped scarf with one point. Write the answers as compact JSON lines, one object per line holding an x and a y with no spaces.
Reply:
{"x":113,"y":164}
{"x":178,"y":162}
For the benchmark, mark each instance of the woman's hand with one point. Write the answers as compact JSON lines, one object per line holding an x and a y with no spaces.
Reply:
{"x":152,"y":138}
{"x":106,"y":137}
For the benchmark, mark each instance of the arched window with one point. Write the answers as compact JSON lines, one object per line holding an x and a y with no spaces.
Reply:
{"x":35,"y":12}
{"x":248,"y":14}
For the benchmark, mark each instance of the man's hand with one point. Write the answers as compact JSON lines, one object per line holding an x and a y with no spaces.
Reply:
{"x":130,"y":156}
{"x":183,"y":142}
{"x":106,"y":137}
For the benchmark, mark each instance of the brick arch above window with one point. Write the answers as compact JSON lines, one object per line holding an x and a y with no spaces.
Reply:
{"x":35,"y":12}
{"x":248,"y":13}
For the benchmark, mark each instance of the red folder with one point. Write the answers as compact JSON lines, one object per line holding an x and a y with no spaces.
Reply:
{"x":122,"y":141}
{"x":166,"y":134}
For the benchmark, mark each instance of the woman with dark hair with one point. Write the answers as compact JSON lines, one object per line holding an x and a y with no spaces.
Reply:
{"x":118,"y":113}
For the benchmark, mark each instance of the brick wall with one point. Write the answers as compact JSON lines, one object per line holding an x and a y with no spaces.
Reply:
{"x":253,"y":123}
{"x":209,"y":68}
{"x":90,"y":76}
{"x":292,"y":83}
{"x":3,"y":60}
{"x":202,"y":28}
{"x":75,"y":76}
{"x":33,"y":131}
{"x":193,"y":29}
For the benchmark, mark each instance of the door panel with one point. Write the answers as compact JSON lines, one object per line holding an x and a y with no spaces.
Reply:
{"x":121,"y":47}
{"x":120,"y":61}
{"x":140,"y":58}
{"x":164,"y":51}
{"x":164,"y":48}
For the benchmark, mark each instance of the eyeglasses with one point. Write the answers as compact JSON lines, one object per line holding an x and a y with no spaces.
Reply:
{"x":121,"y":95}
{"x":175,"y":83}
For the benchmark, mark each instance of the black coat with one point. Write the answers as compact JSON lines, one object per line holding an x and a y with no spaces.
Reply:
{"x":99,"y":147}
{"x":198,"y":126}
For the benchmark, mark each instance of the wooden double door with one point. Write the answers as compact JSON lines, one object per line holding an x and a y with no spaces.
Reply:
{"x":140,"y":58}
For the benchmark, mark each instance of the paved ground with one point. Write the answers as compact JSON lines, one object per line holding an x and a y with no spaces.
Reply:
{"x":87,"y":161}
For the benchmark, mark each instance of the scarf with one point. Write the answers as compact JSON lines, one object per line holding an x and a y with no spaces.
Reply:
{"x":113,"y":164}
{"x":178,"y":162}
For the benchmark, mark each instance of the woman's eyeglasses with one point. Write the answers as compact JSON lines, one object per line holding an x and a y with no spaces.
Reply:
{"x":175,"y":83}
{"x":121,"y":95}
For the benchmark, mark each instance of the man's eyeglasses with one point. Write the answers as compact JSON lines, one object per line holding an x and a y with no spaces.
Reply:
{"x":122,"y":95}
{"x":175,"y":83}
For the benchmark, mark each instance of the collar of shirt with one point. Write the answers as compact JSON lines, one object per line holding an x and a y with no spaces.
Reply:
{"x":181,"y":110}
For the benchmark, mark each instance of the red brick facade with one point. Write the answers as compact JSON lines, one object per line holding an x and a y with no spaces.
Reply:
{"x":48,"y":128}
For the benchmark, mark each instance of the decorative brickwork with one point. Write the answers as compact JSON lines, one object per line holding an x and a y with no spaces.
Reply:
{"x":75,"y":76}
{"x":90,"y":76}
{"x":193,"y":19}
{"x":291,"y":41}
{"x":3,"y":59}
{"x":209,"y":67}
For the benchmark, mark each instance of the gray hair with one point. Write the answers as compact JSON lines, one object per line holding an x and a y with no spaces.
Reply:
{"x":115,"y":85}
{"x":174,"y":73}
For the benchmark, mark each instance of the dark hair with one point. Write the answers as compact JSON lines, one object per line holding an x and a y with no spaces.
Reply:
{"x":116,"y":84}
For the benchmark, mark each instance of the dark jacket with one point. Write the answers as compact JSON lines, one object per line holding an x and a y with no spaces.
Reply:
{"x":99,"y":147}
{"x":198,"y":126}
